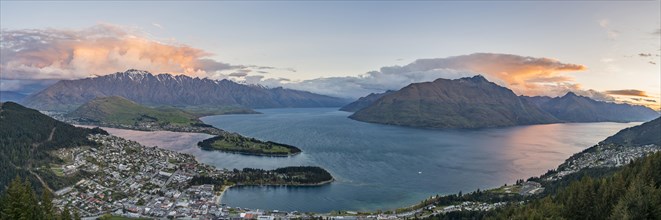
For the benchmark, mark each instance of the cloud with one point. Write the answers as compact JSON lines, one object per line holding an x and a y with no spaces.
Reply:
{"x":524,"y":75}
{"x":24,"y":86}
{"x":238,"y":74}
{"x":612,"y":33}
{"x":627,"y":92}
{"x":159,"y":26}
{"x":98,"y":50}
{"x":375,"y":81}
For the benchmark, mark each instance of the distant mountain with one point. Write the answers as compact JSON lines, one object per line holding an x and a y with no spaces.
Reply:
{"x":118,"y":110}
{"x":169,"y":90}
{"x":471,"y":102}
{"x":9,"y":96}
{"x":644,"y":134}
{"x":575,"y":108}
{"x":27,"y":136}
{"x":363,"y":102}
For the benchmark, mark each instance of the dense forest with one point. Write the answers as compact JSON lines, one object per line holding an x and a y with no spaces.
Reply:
{"x":27,"y":137}
{"x":235,"y":143}
{"x":20,"y":202}
{"x":303,"y":175}
{"x":631,"y":192}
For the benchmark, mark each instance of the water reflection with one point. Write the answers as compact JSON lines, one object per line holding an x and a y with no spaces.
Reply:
{"x":378,"y":166}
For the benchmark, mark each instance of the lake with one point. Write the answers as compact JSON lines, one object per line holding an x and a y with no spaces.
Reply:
{"x":381,"y":166}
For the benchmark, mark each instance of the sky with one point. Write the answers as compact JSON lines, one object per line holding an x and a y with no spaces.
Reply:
{"x":606,"y":50}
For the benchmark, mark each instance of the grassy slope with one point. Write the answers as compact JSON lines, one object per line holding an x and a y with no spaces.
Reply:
{"x":115,"y":109}
{"x":118,"y":110}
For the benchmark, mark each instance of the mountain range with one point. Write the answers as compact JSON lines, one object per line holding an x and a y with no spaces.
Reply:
{"x":474,"y":102}
{"x":170,"y":90}
{"x":575,"y":108}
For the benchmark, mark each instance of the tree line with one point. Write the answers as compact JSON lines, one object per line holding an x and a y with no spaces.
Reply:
{"x":631,"y":192}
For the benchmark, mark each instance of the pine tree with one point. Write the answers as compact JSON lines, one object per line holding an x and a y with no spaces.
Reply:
{"x":76,"y":215}
{"x":14,"y":207}
{"x":30,"y":202}
{"x":65,"y":215}
{"x":47,"y":205}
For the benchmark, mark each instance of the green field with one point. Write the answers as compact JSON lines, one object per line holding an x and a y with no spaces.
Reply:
{"x":57,"y":170}
{"x":238,"y":144}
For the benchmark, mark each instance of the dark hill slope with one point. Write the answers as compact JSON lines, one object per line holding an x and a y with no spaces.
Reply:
{"x":644,"y":134}
{"x":26,"y":137}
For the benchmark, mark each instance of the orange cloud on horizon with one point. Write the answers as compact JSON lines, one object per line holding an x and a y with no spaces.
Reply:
{"x":524,"y":75}
{"x":628,"y":92}
{"x":99,"y":50}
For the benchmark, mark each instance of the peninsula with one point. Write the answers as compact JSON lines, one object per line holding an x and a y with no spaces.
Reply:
{"x":119,"y":112}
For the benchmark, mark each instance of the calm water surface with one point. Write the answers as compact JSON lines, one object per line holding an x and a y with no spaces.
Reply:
{"x":380,"y":166}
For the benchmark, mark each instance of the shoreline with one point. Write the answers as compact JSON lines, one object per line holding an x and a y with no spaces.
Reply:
{"x":194,"y":132}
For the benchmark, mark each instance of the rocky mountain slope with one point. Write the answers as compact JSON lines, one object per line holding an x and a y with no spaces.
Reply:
{"x":471,"y":102}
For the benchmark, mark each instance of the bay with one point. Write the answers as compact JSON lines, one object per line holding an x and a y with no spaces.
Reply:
{"x":381,"y":166}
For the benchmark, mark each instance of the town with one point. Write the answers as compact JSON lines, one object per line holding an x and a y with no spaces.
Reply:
{"x":127,"y":179}
{"x":602,"y":155}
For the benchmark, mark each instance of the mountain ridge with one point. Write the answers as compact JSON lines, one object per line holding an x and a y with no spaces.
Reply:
{"x":475,"y":102}
{"x":575,"y":108}
{"x":172,"y":90}
{"x":364,"y":101}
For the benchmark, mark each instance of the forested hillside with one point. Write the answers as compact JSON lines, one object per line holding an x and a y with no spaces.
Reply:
{"x":632,"y":192}
{"x":21,"y":202}
{"x":26,"y":137}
